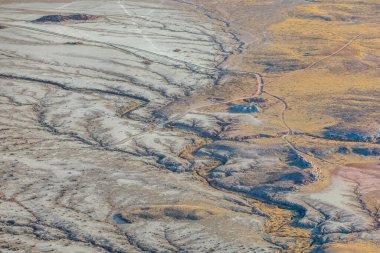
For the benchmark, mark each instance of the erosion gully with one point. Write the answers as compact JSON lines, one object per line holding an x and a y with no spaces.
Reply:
{"x":279,"y":224}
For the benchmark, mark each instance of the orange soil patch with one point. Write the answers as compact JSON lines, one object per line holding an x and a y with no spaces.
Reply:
{"x":367,"y":178}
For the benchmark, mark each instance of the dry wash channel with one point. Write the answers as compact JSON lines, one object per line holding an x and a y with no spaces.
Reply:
{"x":87,"y":161}
{"x":150,"y":126}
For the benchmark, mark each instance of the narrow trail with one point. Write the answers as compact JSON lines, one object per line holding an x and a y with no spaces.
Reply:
{"x":304,"y":242}
{"x":286,"y":106}
{"x":335,"y":52}
{"x":279,"y":220}
{"x":261,"y":84}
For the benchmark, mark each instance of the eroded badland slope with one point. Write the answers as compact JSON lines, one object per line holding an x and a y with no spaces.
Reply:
{"x":189,"y":126}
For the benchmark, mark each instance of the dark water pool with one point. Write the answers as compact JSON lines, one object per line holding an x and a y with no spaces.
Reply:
{"x":244,"y":108}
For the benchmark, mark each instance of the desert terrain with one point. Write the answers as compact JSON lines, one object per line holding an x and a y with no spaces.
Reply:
{"x":189,"y":126}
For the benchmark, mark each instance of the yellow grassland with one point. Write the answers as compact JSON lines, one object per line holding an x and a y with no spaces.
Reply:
{"x":321,"y":54}
{"x":360,"y":247}
{"x":326,"y":51}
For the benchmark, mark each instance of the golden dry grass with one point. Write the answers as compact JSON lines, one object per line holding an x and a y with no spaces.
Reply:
{"x":310,"y":33}
{"x":312,"y":94}
{"x":321,"y":54}
{"x":360,"y":247}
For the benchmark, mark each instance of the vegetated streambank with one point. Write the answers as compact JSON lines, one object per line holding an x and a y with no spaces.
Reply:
{"x":281,"y":215}
{"x":297,"y":211}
